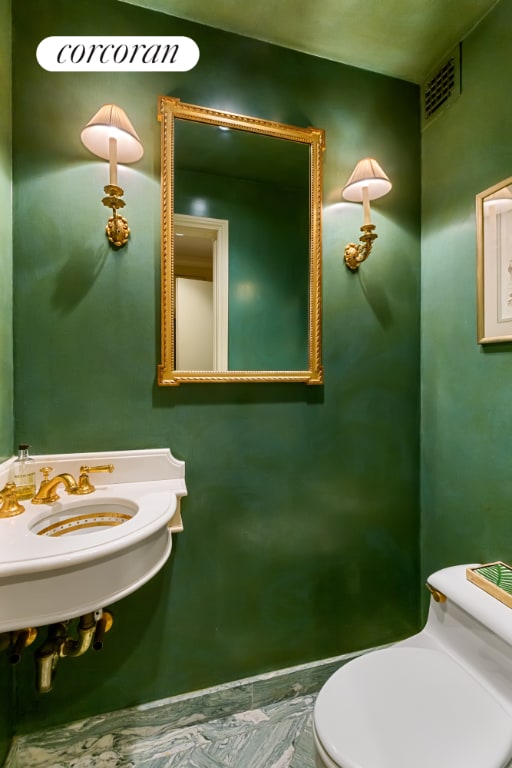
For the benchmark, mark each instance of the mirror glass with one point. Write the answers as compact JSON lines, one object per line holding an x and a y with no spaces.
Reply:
{"x":241,"y":248}
{"x":494,"y":249}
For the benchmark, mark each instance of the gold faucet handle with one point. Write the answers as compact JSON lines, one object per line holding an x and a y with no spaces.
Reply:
{"x":10,"y":504}
{"x":100,"y":468}
{"x":45,"y":471}
{"x":84,"y":484}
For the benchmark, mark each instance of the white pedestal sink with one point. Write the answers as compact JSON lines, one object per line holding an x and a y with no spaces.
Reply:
{"x":81,"y":553}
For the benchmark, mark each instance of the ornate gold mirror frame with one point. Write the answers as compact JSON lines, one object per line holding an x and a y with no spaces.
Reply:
{"x":171,"y":109}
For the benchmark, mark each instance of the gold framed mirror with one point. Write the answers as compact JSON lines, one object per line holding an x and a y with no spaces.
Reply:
{"x":494,"y":263}
{"x":241,"y":248}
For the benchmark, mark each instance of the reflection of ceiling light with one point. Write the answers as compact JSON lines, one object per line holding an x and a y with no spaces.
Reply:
{"x":224,"y":128}
{"x":199,"y":207}
{"x":246,"y":291}
{"x":367,"y":182}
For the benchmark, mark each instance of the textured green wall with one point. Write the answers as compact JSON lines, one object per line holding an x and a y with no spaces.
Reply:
{"x":6,"y":354}
{"x":301,"y":525}
{"x":6,"y":361}
{"x":466,"y":477}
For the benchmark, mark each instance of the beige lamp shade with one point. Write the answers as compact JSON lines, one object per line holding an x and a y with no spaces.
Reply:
{"x":367,"y":174}
{"x":112,"y":122}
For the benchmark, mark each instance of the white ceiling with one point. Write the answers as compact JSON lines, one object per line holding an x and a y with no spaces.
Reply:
{"x":406,"y":39}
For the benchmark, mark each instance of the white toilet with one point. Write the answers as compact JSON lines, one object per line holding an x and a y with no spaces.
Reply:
{"x":440,"y":699}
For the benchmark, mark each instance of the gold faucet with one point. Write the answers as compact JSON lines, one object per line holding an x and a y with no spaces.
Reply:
{"x":47,"y":492}
{"x":10,"y":505}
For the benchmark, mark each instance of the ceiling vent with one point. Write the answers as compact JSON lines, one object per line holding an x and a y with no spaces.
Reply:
{"x":441,"y":88}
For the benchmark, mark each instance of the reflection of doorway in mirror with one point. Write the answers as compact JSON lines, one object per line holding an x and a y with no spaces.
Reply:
{"x":201,"y":312}
{"x":504,"y":241}
{"x":497,"y":243}
{"x":194,"y":328}
{"x":498,"y":240}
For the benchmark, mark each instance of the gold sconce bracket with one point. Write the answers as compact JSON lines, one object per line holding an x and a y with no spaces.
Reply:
{"x":117,"y":228}
{"x":356,"y":253}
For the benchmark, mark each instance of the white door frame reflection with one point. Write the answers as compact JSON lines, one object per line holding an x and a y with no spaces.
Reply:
{"x":201,"y":254}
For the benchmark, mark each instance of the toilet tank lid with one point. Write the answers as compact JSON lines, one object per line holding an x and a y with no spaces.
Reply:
{"x":488,"y":610}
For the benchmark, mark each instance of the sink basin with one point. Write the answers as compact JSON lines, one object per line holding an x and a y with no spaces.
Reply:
{"x":61,"y":560}
{"x":85,"y":518}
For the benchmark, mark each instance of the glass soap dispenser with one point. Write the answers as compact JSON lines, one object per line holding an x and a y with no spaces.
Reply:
{"x":23,"y":473}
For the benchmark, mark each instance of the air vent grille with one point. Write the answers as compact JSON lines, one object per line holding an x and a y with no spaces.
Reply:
{"x":442,"y":87}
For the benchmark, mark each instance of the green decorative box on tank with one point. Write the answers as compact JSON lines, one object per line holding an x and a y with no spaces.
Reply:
{"x":495,"y":579}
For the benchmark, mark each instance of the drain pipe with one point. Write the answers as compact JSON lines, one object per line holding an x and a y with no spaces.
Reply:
{"x":16,"y":642}
{"x":19,"y":641}
{"x":86,"y":630}
{"x":58,"y":644}
{"x":47,"y":656}
{"x":103,"y":625}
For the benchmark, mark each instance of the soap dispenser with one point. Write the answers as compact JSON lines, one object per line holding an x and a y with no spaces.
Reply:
{"x":23,"y":473}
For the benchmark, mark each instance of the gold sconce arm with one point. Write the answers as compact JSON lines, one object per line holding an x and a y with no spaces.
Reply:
{"x":117,"y":228}
{"x":355,"y":254}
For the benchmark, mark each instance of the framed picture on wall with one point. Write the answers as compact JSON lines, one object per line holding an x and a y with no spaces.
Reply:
{"x":494,"y":263}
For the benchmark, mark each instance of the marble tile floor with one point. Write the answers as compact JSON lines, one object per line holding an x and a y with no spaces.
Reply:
{"x":278,"y":735}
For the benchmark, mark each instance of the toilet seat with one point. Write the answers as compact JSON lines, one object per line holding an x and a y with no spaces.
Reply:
{"x":410,"y":706}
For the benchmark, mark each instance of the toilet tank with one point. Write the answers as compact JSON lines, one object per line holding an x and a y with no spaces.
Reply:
{"x":473,"y":627}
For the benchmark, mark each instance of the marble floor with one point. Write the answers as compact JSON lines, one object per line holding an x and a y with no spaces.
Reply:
{"x":275,"y":736}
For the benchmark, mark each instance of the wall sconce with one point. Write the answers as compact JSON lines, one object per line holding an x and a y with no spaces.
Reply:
{"x":367,"y":182}
{"x":111,"y":136}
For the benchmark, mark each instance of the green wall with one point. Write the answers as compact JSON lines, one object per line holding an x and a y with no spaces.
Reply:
{"x":6,"y":359}
{"x":466,"y":477}
{"x":6,"y":354}
{"x":301,"y":525}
